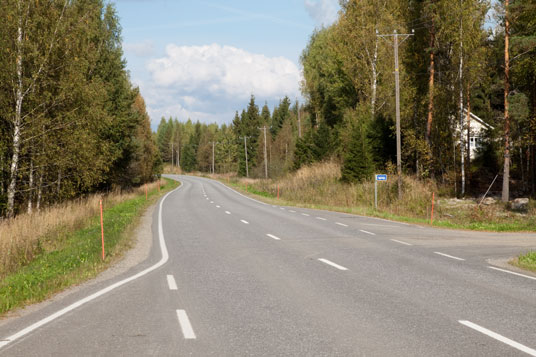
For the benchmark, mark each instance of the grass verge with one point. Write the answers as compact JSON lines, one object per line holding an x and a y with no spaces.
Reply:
{"x":318,"y":186}
{"x":526,"y":261}
{"x":69,"y":255}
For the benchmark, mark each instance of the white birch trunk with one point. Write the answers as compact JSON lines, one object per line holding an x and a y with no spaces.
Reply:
{"x":19,"y":97}
{"x":31,"y":184}
{"x":374,"y":79}
{"x":39,"y":193}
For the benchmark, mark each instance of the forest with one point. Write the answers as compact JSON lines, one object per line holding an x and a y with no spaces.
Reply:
{"x":458,"y":60}
{"x":71,"y":122}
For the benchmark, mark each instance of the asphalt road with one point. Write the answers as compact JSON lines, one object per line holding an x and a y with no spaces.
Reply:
{"x":231,"y":276}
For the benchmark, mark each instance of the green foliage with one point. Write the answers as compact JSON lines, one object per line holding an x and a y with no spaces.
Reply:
{"x":358,"y":164}
{"x":84,"y":128}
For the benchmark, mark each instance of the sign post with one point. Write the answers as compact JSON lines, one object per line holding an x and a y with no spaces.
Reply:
{"x":380,"y":177}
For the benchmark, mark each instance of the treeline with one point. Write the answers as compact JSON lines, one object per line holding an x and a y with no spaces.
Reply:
{"x":222,"y":149}
{"x":70,"y":120}
{"x":451,"y":65}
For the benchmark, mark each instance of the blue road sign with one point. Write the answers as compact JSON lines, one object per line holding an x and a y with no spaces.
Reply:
{"x":381,"y":177}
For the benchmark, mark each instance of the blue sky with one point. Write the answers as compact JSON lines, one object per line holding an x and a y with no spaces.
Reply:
{"x":203,"y":59}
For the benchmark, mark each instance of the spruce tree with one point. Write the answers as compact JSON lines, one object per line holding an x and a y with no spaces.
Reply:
{"x":358,"y":164}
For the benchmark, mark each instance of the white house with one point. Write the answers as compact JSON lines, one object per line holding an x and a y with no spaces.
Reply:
{"x":477,"y":129}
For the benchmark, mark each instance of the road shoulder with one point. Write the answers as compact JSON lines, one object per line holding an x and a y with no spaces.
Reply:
{"x":141,"y":245}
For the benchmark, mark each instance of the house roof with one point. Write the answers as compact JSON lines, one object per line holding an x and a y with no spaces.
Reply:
{"x":478,"y":119}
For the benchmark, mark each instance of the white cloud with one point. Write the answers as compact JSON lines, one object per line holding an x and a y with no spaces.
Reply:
{"x":209,"y":83}
{"x":224,"y":70}
{"x":140,"y":49}
{"x":324,"y":12}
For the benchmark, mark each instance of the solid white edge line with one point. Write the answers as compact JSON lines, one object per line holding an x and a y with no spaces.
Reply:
{"x":514,"y":273}
{"x":243,"y":221}
{"x":399,"y":241}
{"x":498,"y":337}
{"x":341,"y":224}
{"x":171,"y":282}
{"x":235,"y":191}
{"x":77,"y":304}
{"x":367,"y":232}
{"x":321,"y":218}
{"x":449,"y":256}
{"x":186,"y":326}
{"x":274,"y":237}
{"x":335,"y":265}
{"x":227,"y":212}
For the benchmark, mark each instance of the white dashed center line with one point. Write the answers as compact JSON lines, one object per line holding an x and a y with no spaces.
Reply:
{"x":335,"y":265}
{"x":291,"y":211}
{"x":217,"y":206}
{"x":498,"y":337}
{"x":274,"y":237}
{"x":171,"y":282}
{"x":186,"y":326}
{"x":227,"y":212}
{"x":245,"y":222}
{"x":513,"y":273}
{"x":367,"y":232}
{"x":341,"y":224}
{"x":321,"y":218}
{"x":449,"y":256}
{"x":211,"y":201}
{"x":399,"y":241}
{"x":305,"y":214}
{"x":281,"y":207}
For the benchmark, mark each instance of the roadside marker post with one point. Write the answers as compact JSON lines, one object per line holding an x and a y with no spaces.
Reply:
{"x":102,"y":229}
{"x":432,"y":215}
{"x":378,"y":177}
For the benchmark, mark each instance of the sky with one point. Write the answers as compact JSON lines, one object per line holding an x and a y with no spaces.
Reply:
{"x":204,"y":59}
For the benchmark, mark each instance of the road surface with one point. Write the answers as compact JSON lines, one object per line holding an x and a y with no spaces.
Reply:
{"x":231,"y":276}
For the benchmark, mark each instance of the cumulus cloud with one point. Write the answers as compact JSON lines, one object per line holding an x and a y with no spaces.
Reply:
{"x":224,"y":71}
{"x":324,"y":12}
{"x":209,"y":83}
{"x":140,"y":49}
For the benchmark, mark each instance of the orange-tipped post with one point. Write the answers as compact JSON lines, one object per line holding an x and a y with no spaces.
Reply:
{"x":432,"y":215}
{"x":102,"y":229}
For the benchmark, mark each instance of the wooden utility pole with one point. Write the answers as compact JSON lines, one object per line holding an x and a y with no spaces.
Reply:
{"x":246,"y":152}
{"x":265,"y":156}
{"x":396,"y":44}
{"x":506,"y":173}
{"x":213,"y":145}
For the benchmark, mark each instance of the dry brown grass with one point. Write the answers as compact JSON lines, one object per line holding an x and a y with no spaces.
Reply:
{"x":319,"y":184}
{"x":25,"y":236}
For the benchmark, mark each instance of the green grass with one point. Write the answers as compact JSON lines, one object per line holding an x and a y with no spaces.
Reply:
{"x":526,"y":261}
{"x":77,"y":256}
